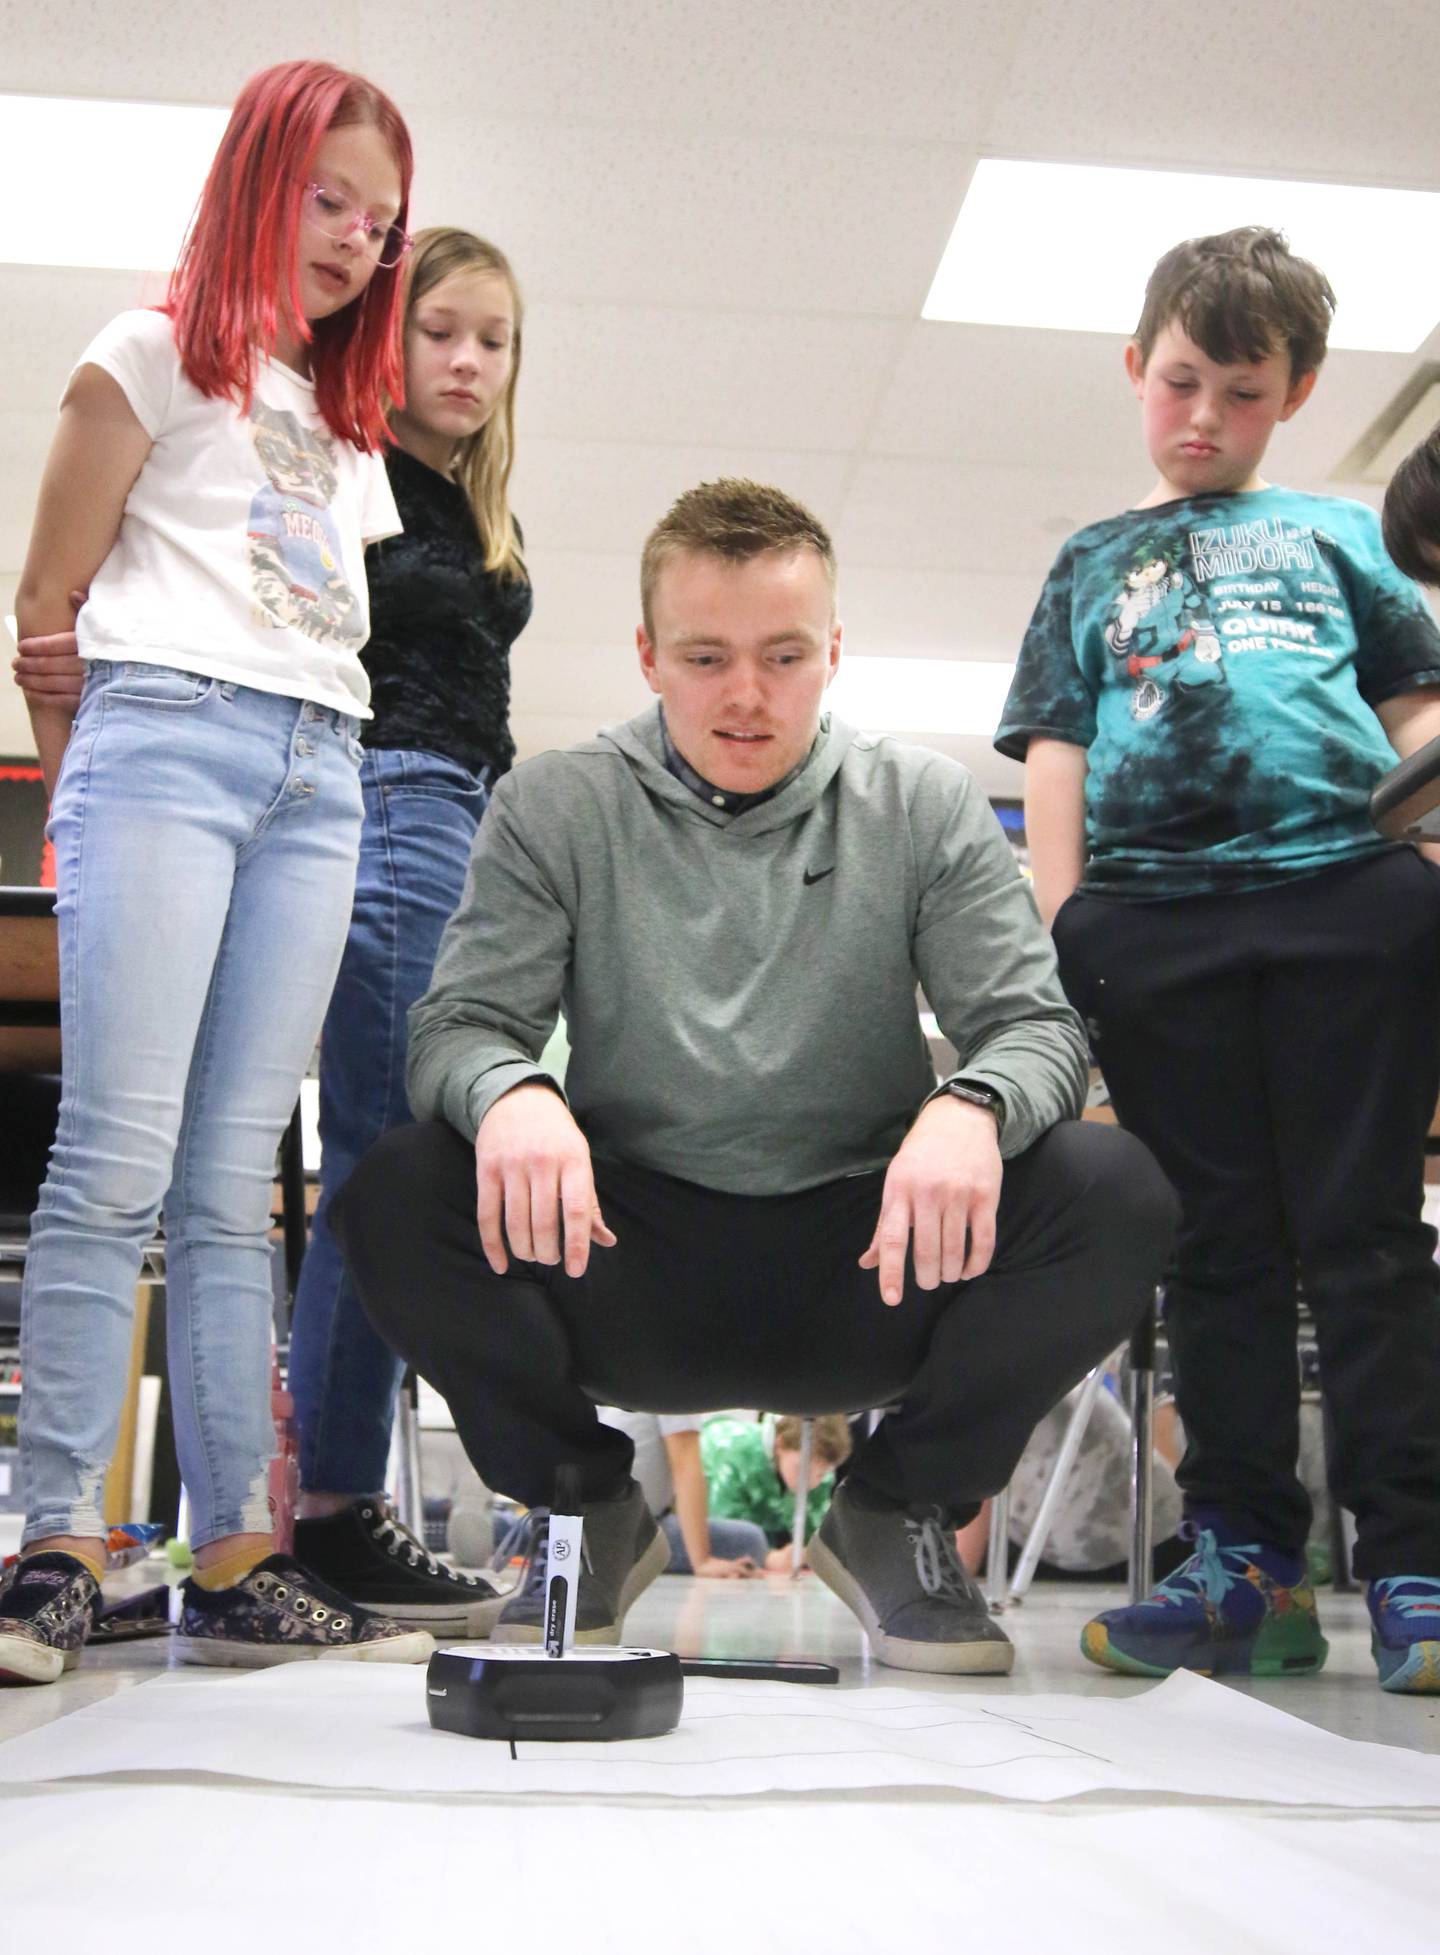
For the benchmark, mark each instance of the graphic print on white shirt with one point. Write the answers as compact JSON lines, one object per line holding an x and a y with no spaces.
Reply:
{"x":293,"y":546}
{"x":241,"y":550}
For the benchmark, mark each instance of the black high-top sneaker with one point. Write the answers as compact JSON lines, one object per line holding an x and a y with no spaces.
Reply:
{"x":366,"y":1553}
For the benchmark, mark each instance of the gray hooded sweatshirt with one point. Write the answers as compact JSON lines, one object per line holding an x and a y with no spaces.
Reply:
{"x":740,"y":990}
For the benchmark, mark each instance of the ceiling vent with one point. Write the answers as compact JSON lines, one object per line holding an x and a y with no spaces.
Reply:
{"x":1406,"y":419}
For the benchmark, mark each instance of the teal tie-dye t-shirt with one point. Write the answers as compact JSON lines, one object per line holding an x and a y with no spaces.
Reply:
{"x":1221,"y":659}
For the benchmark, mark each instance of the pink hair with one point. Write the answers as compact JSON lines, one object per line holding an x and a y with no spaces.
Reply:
{"x":235,"y":284}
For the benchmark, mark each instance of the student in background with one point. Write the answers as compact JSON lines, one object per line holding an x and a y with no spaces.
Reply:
{"x":213,"y":482}
{"x":448,"y":599}
{"x":671,"y":1474}
{"x":752,"y":1469}
{"x":1211,"y":685}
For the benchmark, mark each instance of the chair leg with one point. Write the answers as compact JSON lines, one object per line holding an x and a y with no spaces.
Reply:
{"x":997,"y":1560}
{"x":1142,"y":1456}
{"x":1055,"y":1487}
{"x":802,"y":1497}
{"x":1342,"y":1525}
{"x":409,"y":1494}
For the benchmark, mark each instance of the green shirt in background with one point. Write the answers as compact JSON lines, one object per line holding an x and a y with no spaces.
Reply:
{"x":744,"y":1485}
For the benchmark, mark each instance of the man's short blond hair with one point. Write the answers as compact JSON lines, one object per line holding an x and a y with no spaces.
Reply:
{"x":733,"y":519}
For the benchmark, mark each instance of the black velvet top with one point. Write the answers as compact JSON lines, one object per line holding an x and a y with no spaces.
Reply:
{"x":441,"y":628}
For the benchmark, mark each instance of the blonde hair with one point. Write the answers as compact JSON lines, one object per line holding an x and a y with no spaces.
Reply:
{"x":830,"y":1440}
{"x":735,"y":519}
{"x":483,"y":460}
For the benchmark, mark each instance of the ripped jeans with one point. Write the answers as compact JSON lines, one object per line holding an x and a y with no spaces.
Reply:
{"x":205,"y":842}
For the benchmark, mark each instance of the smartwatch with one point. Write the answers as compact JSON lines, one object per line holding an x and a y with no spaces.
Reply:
{"x":986,"y":1096}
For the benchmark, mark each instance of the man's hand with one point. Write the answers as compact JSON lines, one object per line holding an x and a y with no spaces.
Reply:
{"x":942,"y":1189}
{"x":716,"y":1567}
{"x":532,"y":1166}
{"x":51,"y":668}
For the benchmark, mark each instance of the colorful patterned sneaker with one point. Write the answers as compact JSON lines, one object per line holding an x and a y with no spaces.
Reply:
{"x":47,"y":1605}
{"x":901,"y":1576}
{"x":621,"y":1554}
{"x":365,"y":1553}
{"x":1233,"y":1609}
{"x":1405,"y":1632}
{"x":281,"y":1613}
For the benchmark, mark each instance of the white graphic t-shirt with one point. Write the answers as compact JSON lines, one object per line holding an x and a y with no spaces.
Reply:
{"x":241,"y":549}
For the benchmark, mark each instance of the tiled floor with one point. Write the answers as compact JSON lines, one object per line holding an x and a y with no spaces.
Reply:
{"x":777,"y":1617}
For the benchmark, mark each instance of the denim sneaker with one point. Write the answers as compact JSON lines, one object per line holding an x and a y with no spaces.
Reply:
{"x":281,"y":1613}
{"x":621,"y":1554}
{"x":1228,"y":1609}
{"x":47,"y":1606}
{"x":367,"y":1554}
{"x":921,"y":1607}
{"x":1405,"y":1632}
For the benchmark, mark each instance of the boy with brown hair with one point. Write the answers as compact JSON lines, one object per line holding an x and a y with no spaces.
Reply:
{"x":1210,"y":686}
{"x":753,"y":1472}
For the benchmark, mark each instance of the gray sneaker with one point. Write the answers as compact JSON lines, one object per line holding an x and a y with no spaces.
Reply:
{"x":623,"y":1552}
{"x":903,"y":1578}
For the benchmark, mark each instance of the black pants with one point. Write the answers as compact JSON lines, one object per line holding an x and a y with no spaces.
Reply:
{"x":1280,"y":1053}
{"x":714,"y":1300}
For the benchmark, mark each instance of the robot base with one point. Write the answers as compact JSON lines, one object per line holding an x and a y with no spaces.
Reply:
{"x":513,"y":1691}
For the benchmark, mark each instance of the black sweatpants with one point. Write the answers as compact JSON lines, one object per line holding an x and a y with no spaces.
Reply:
{"x":1280,"y":1053}
{"x":712,"y":1300}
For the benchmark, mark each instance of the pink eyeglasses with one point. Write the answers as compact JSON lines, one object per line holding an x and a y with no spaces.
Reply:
{"x":338,"y":218}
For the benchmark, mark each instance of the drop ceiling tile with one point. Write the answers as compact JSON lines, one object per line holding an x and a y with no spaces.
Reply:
{"x":955,"y":517}
{"x":165,"y":52}
{"x":1303,"y":87}
{"x":934,"y":613}
{"x":636,"y":215}
{"x":598,"y":496}
{"x":698,"y":379}
{"x":913,"y":70}
{"x":597,"y":681}
{"x":1011,"y":396}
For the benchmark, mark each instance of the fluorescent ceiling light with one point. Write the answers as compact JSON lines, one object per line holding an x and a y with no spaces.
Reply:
{"x":109,"y":184}
{"x":1071,"y":246}
{"x":920,"y":695}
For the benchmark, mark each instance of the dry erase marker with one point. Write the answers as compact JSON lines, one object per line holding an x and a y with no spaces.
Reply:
{"x":562,"y":1573}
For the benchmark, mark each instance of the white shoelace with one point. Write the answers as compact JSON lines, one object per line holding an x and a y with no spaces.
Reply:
{"x":391,"y":1534}
{"x":939,"y":1568}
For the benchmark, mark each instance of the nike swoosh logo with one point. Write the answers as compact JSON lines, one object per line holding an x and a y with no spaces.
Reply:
{"x":818,"y":875}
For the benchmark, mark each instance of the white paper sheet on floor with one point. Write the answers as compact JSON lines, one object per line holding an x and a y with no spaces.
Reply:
{"x":364,"y":1728}
{"x":229,"y":1868}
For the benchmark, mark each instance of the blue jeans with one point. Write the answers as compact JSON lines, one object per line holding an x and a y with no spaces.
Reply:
{"x":728,"y":1539}
{"x":205,"y":840}
{"x":421,"y":813}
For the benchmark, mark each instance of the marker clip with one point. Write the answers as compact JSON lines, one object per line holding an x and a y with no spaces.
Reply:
{"x":563,"y":1556}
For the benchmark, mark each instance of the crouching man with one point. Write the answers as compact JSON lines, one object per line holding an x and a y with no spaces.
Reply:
{"x":752,"y":1191}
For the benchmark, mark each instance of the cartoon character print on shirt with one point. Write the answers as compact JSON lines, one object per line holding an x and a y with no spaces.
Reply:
{"x":297,"y":571}
{"x":1161,"y":622}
